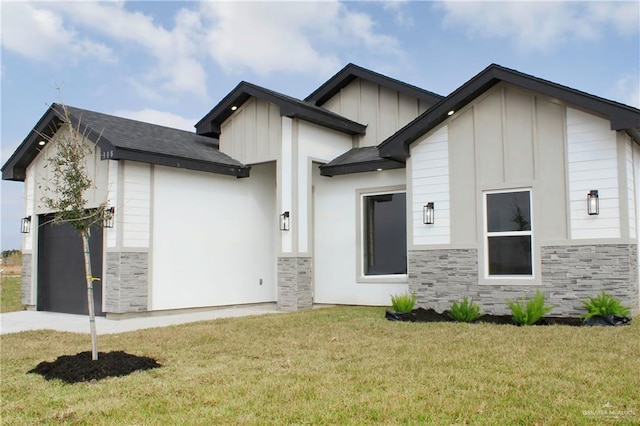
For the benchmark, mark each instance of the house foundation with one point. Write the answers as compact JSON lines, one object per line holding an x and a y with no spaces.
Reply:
{"x":295,"y":290}
{"x":570,"y":274}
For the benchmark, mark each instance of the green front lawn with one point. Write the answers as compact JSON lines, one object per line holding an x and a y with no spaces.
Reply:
{"x":344,"y":365}
{"x":10,"y":294}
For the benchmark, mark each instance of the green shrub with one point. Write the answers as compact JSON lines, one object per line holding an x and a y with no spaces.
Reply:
{"x":604,"y":304}
{"x":465,"y":311}
{"x":528,"y":312}
{"x":403,"y":302}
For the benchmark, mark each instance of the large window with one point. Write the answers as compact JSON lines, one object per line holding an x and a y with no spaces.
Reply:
{"x":508,"y":233}
{"x":384,"y":234}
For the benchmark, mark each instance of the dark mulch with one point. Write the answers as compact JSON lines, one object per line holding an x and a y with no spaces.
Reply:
{"x":429,"y":315}
{"x":81,"y":368}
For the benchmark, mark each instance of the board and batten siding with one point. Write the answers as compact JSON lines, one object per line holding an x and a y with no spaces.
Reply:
{"x":96,"y":169}
{"x":430,"y":183}
{"x":136,"y":207}
{"x":506,"y":139}
{"x":252,"y":133}
{"x":593,"y":164}
{"x":382,"y":110}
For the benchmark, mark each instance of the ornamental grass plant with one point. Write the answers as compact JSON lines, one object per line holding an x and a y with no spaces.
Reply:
{"x":529,"y":312}
{"x":604,"y":304}
{"x":465,"y":311}
{"x":403,"y":302}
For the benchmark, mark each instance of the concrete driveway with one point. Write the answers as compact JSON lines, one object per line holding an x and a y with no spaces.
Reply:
{"x":15,"y":322}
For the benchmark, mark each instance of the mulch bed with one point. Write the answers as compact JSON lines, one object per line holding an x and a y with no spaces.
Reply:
{"x":429,"y":315}
{"x":81,"y":368}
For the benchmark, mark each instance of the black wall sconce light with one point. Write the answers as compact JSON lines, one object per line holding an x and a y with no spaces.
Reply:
{"x":25,"y":225}
{"x":593,"y":203}
{"x":284,"y":221}
{"x":428,"y":214}
{"x":109,"y":217}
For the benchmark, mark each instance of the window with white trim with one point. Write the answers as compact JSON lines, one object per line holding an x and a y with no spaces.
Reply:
{"x":384,"y":236}
{"x":508,"y":231}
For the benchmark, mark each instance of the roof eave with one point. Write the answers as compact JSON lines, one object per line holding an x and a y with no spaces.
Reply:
{"x":351,"y":71}
{"x":621,"y":117}
{"x":210,"y":123}
{"x":15,"y":167}
{"x":360,"y":167}
{"x":236,"y":170}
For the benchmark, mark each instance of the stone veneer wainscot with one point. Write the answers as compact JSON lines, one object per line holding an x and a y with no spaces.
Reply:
{"x":570,"y":274}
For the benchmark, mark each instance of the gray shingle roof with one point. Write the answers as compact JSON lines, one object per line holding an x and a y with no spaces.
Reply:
{"x":357,"y":160}
{"x":121,"y":138}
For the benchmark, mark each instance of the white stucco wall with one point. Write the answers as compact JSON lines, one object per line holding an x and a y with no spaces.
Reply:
{"x":315,"y":144}
{"x":592,"y":164}
{"x":335,"y":250}
{"x":213,"y":238}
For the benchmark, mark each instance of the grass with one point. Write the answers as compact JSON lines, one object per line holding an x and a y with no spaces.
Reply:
{"x":344,"y":365}
{"x":10,"y":298}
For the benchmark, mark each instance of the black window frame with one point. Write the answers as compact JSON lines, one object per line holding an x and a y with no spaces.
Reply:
{"x":396,"y":264}
{"x":516,"y":235}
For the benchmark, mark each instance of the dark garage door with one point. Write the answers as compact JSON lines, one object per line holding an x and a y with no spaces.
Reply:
{"x":61,"y":277}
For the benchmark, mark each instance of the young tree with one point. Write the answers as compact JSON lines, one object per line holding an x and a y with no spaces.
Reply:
{"x":65,"y":195}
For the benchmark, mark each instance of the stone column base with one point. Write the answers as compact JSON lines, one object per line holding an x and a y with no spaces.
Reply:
{"x":126,"y":282}
{"x":295,"y":290}
{"x":27,"y":282}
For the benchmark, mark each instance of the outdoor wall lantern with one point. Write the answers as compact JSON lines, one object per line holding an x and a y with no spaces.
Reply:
{"x":25,"y":225}
{"x":109,"y":217}
{"x":284,"y":221}
{"x":593,"y":203}
{"x":428,"y":214}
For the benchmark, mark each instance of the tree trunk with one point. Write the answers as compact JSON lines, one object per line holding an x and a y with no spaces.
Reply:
{"x":92,"y":314}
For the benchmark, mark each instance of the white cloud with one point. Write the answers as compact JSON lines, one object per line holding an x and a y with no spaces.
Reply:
{"x":627,"y":90}
{"x":540,"y":25}
{"x":40,"y":34}
{"x":162,"y":118}
{"x":268,"y":37}
{"x":263,"y":37}
{"x":177,"y":69}
{"x":396,"y":8}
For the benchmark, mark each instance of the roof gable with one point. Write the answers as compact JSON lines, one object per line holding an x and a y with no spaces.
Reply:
{"x":289,"y":107}
{"x":125,"y":139}
{"x":622,"y":117}
{"x":350,"y":72}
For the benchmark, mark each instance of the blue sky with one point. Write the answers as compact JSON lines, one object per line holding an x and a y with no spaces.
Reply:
{"x":171,"y":62}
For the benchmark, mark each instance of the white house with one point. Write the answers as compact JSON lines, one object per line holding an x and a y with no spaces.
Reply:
{"x":368,"y":187}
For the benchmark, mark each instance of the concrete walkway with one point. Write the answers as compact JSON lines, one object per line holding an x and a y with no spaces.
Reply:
{"x":15,"y":322}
